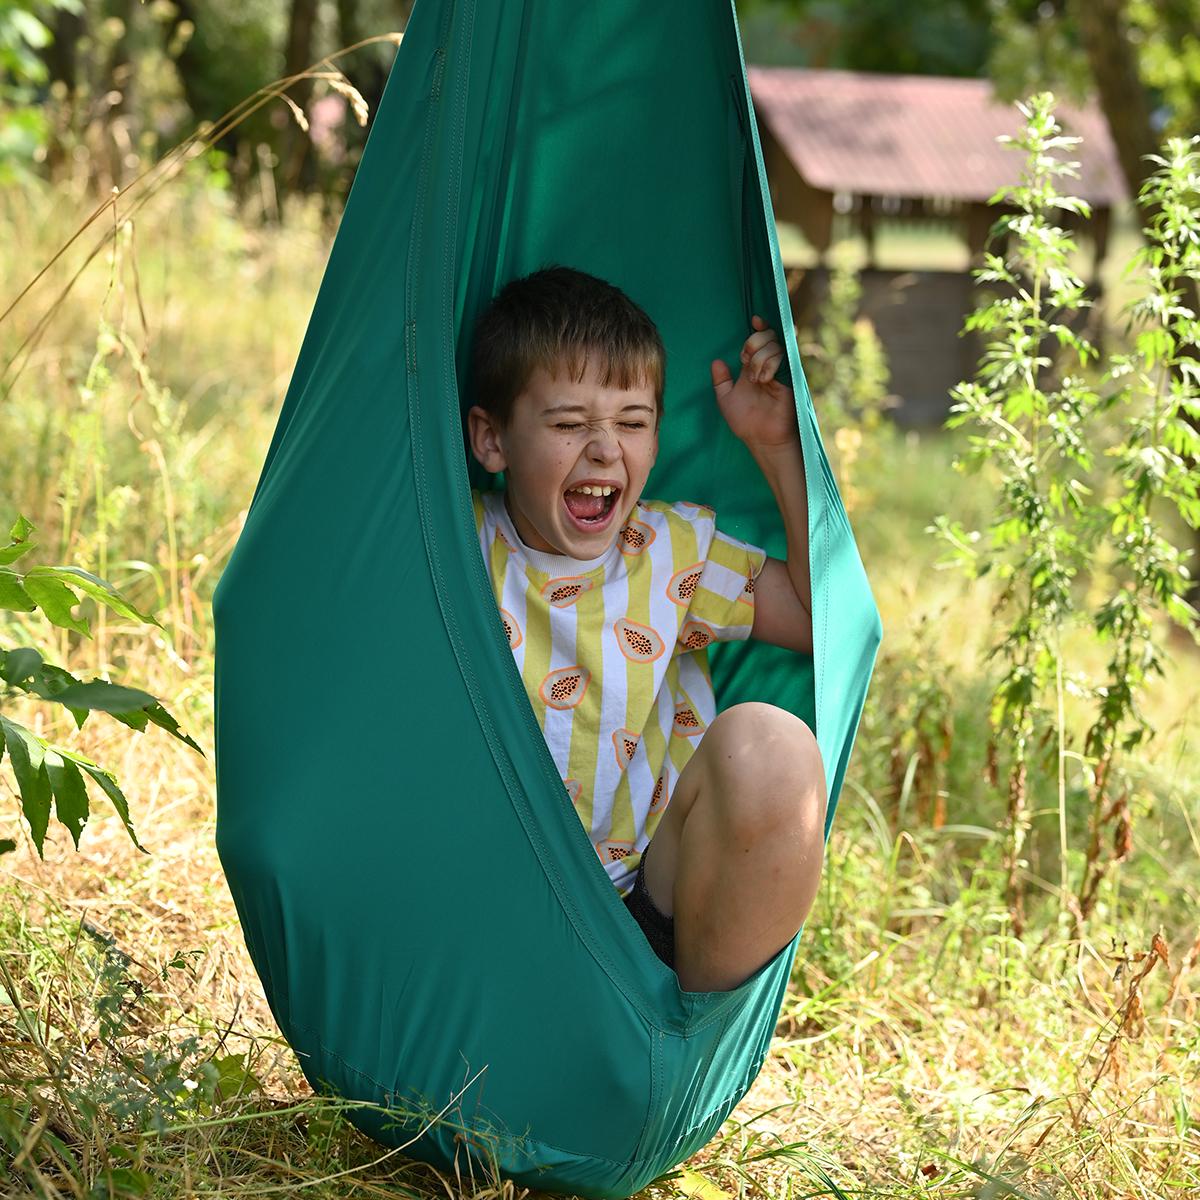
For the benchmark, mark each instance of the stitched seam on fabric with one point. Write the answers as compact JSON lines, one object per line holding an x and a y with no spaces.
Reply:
{"x":820,"y":681}
{"x":325,"y":1050}
{"x":410,"y":346}
{"x":610,"y":965}
{"x":392,"y":1094}
{"x":654,"y":1103}
{"x":415,"y":244}
{"x":729,"y":1102}
{"x":712,"y":1049}
{"x":810,"y":460}
{"x":566,"y":897}
{"x":781,"y":301}
{"x":482,"y":713}
{"x":579,"y":1155}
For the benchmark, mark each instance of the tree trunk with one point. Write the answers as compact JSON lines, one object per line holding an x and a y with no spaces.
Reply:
{"x":298,"y":54}
{"x":365,"y":68}
{"x":1112,"y":57}
{"x":121,"y":122}
{"x":120,"y":65}
{"x":61,"y":55}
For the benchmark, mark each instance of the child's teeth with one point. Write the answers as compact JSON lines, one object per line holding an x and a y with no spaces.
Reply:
{"x":589,"y":490}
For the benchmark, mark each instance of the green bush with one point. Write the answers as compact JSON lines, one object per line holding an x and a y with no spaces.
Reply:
{"x":46,"y":772}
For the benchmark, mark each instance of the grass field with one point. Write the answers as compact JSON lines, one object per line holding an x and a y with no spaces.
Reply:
{"x":923,"y":1050}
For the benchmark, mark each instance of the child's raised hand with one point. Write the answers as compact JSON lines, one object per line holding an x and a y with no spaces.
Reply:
{"x":758,"y":408}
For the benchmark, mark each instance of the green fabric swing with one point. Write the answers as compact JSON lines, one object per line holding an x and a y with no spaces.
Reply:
{"x":433,"y":930}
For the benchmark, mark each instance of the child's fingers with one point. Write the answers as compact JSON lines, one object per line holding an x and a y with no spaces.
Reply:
{"x":756,"y":341}
{"x":765,"y":361}
{"x":765,"y":373}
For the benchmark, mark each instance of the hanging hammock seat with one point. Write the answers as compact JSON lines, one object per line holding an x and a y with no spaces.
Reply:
{"x":432,"y":927}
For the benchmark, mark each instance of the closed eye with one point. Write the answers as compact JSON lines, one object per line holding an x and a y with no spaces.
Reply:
{"x":568,"y":425}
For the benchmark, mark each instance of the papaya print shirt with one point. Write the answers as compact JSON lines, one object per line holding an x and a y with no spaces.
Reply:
{"x":612,"y":652}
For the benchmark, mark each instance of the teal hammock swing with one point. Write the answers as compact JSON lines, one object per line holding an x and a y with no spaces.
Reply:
{"x":433,"y":929}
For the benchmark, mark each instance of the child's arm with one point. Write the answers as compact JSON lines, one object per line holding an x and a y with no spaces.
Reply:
{"x":762,"y":412}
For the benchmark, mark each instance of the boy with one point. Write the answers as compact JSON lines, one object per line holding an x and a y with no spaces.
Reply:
{"x":711,"y":827}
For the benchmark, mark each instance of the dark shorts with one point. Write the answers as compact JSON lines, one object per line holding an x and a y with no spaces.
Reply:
{"x":657,"y":926}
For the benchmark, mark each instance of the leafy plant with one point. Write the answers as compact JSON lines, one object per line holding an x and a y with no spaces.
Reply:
{"x":1033,"y":417}
{"x":47,"y":772}
{"x":23,"y":125}
{"x":1060,"y":514}
{"x":146,"y":1079}
{"x":1157,"y":388}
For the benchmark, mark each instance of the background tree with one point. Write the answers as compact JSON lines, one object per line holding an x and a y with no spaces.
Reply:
{"x":298,"y":54}
{"x":1140,"y":57}
{"x":943,"y":37}
{"x":368,"y":68}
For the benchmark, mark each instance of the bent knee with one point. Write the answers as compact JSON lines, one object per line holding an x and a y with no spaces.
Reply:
{"x":758,"y":738}
{"x":767,"y":767}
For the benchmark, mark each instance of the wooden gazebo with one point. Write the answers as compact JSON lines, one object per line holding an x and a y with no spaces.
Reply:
{"x":911,"y":149}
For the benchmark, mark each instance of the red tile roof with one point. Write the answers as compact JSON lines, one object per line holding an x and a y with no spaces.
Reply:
{"x":916,"y":135}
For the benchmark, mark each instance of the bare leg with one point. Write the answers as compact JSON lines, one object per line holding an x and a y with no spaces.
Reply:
{"x":737,"y":856}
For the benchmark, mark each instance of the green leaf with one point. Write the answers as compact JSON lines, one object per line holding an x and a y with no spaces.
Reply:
{"x":12,"y":594}
{"x":130,"y":706}
{"x":163,"y":719}
{"x":20,"y":542}
{"x":133,"y":707}
{"x":70,"y":795}
{"x":100,"y":591}
{"x":56,"y":600}
{"x":17,"y":666}
{"x":121,"y":1183}
{"x":1180,"y":611}
{"x":25,"y":753}
{"x":10,"y":554}
{"x":104,"y":697}
{"x":21,"y":530}
{"x":234,"y":1077}
{"x":52,"y":680}
{"x":110,"y":787}
{"x":1154,"y":345}
{"x":135,"y":718}
{"x":7,"y":845}
{"x":29,"y":29}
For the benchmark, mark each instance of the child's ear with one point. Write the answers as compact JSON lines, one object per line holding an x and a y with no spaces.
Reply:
{"x":485,"y":440}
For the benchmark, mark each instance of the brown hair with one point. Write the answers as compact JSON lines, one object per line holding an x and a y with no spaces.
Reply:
{"x":562,"y":319}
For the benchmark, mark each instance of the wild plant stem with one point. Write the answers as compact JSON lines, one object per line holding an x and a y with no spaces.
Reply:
{"x":1064,"y":874}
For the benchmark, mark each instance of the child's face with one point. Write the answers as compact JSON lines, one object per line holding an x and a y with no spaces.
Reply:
{"x":564,"y":434}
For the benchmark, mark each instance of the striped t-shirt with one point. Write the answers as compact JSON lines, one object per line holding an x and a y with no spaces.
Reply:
{"x":612,"y":653}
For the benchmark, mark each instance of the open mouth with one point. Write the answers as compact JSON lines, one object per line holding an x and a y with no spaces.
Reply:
{"x":590,"y":509}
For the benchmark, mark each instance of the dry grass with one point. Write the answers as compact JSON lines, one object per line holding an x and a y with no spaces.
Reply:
{"x":924,"y":1054}
{"x":922,"y":1050}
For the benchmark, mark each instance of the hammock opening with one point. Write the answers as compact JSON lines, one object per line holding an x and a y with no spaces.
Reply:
{"x":701,"y":460}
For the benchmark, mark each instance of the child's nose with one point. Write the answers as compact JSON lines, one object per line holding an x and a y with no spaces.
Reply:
{"x":603,"y":447}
